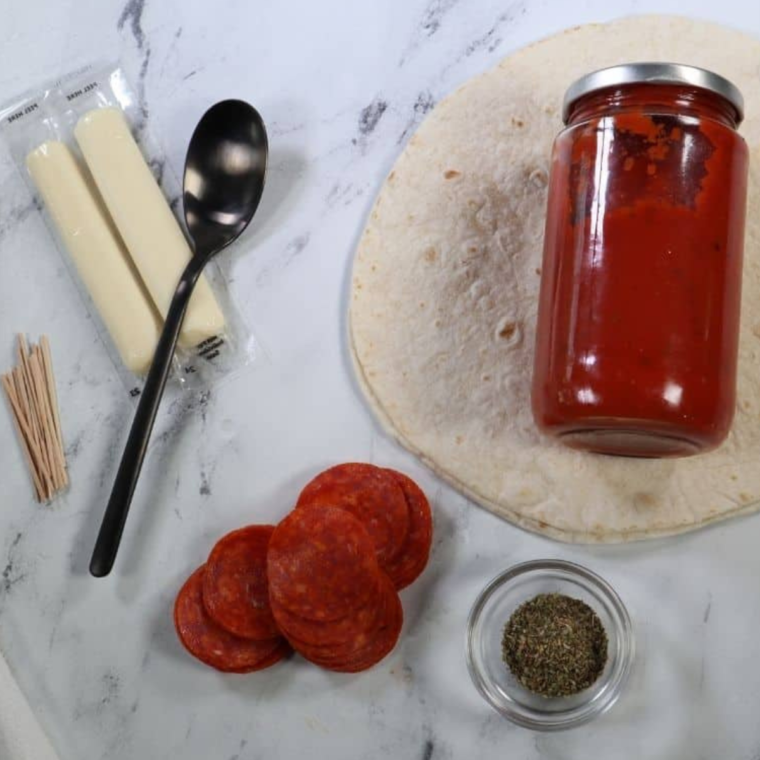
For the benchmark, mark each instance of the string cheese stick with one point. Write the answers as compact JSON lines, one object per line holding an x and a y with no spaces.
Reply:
{"x":97,"y":252}
{"x":142,"y":215}
{"x":23,"y":437}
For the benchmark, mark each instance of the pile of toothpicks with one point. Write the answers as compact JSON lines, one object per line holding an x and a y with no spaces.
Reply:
{"x":30,"y":390}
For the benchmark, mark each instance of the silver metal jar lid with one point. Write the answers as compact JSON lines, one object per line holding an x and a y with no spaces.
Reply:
{"x":653,"y":73}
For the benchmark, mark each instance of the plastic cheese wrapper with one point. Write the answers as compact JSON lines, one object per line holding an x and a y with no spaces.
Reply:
{"x":83,"y":146}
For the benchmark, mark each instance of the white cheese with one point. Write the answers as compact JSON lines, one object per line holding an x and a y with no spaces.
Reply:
{"x":142,"y":215}
{"x":97,"y":252}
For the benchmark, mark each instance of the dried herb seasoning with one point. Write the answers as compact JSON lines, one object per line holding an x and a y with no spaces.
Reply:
{"x":555,"y":645}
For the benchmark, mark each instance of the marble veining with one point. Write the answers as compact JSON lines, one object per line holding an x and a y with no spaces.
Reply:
{"x":424,"y":103}
{"x":491,"y":39}
{"x":132,"y":15}
{"x":342,"y":87}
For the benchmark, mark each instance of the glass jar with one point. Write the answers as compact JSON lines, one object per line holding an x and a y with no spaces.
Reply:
{"x":638,"y":319}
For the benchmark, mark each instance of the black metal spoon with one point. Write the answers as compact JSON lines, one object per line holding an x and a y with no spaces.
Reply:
{"x":224,"y":179}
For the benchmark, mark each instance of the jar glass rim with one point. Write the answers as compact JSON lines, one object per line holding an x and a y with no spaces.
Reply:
{"x":653,"y":73}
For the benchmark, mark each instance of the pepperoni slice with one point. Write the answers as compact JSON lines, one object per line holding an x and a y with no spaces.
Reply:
{"x":353,"y":630}
{"x":210,"y":643}
{"x":414,"y":555}
{"x":378,"y":645}
{"x":372,"y":495}
{"x":379,"y":649}
{"x":235,"y":589}
{"x":282,"y":651}
{"x":321,"y":564}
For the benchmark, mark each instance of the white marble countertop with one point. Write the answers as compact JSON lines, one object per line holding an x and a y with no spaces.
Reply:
{"x":341,"y":84}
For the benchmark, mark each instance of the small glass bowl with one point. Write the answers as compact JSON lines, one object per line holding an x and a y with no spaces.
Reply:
{"x":493,"y":679}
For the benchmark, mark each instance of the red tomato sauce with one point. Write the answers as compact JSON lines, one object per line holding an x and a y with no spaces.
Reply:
{"x":638,"y":325}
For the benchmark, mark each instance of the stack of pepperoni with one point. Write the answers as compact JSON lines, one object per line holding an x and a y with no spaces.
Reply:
{"x":324,"y":581}
{"x":222,"y":613}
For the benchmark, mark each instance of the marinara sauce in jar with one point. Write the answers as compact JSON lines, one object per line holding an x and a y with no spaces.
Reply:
{"x":638,"y":320}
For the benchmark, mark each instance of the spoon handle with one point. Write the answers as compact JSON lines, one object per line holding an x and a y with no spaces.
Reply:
{"x":115,"y":516}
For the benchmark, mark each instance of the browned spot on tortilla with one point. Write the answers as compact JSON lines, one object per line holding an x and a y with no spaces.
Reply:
{"x":430,"y":254}
{"x":745,"y":497}
{"x":538,"y":178}
{"x":451,"y":173}
{"x":486,"y":378}
{"x":538,"y":271}
{"x":391,"y":176}
{"x":459,"y":439}
{"x":437,"y":323}
{"x":519,"y":123}
{"x":644,"y":500}
{"x":472,"y":249}
{"x":508,"y":330}
{"x":422,"y":304}
{"x":756,"y":331}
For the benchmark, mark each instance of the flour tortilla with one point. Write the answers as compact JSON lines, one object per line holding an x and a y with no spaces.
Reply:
{"x":445,"y":285}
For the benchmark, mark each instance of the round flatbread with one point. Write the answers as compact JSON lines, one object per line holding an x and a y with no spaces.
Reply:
{"x":444,"y":296}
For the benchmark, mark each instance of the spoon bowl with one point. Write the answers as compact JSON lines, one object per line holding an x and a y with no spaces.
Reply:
{"x":224,"y":174}
{"x":225,"y":171}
